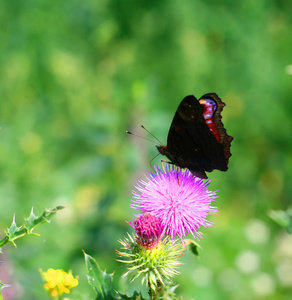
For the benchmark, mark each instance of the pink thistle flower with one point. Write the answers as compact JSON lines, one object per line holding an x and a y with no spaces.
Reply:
{"x":179,"y":199}
{"x":148,"y":229}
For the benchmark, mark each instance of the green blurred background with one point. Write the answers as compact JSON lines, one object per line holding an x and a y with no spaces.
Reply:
{"x":76,"y":74}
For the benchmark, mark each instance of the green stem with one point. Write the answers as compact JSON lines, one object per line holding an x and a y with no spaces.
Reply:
{"x":154,"y":293}
{"x":3,"y":242}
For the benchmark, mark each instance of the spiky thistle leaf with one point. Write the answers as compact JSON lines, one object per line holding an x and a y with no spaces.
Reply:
{"x":99,"y":280}
{"x":15,"y":232}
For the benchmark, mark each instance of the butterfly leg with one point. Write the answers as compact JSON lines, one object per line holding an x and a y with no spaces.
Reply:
{"x":162,"y":165}
{"x":169,"y":162}
{"x":178,"y":169}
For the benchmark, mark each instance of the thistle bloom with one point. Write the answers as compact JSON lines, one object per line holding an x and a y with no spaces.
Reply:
{"x":58,"y":282}
{"x":150,"y":255}
{"x":179,"y":199}
{"x":149,"y":230}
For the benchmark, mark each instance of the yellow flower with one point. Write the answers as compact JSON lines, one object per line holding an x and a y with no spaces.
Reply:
{"x":58,"y":282}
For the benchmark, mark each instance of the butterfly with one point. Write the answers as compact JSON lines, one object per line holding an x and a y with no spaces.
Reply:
{"x":197,"y":139}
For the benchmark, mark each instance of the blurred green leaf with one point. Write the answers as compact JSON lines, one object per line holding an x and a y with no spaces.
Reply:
{"x":193,"y":246}
{"x":282,"y":218}
{"x":2,"y":286}
{"x":135,"y":296}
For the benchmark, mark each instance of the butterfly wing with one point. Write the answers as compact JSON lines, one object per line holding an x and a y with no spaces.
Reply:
{"x":190,"y":143}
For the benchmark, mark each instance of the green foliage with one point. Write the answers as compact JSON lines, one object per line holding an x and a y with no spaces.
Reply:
{"x":99,"y":280}
{"x":282,"y":218}
{"x":168,"y":293}
{"x":15,"y":232}
{"x":102,"y":284}
{"x":193,"y":246}
{"x":135,"y":296}
{"x":2,"y":286}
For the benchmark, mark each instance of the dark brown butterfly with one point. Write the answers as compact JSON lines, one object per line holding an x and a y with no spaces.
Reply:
{"x":197,"y":139}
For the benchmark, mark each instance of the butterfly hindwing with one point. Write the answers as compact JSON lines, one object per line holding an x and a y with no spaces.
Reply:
{"x":224,"y":138}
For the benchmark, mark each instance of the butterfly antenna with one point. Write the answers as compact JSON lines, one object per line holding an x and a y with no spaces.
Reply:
{"x":151,"y":134}
{"x":142,"y":137}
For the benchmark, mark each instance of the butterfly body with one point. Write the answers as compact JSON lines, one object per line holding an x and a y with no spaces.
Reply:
{"x":197,"y":139}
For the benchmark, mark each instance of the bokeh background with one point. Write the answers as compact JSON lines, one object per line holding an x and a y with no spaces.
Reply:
{"x":76,"y":74}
